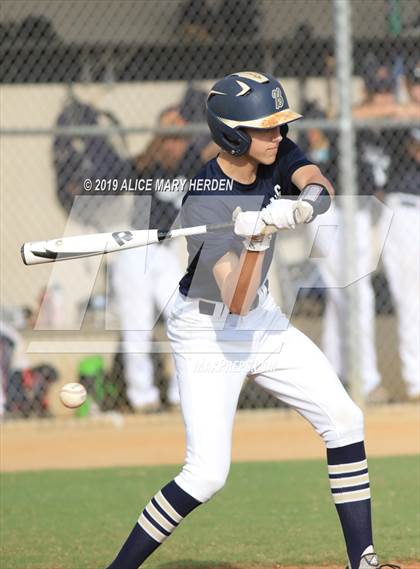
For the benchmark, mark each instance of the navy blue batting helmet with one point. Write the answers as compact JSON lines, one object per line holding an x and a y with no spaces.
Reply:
{"x":246,"y":100}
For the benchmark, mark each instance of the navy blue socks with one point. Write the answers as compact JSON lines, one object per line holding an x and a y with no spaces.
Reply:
{"x":158,"y":520}
{"x":349,"y":480}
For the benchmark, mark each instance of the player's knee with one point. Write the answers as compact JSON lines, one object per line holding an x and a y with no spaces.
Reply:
{"x":202,"y":485}
{"x":212,"y":485}
{"x":347,"y":426}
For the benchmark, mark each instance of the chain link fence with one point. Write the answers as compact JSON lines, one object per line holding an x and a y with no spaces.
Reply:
{"x":97,"y":98}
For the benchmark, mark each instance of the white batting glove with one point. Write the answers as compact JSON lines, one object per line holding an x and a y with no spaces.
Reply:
{"x":249,"y":224}
{"x":285,"y":214}
{"x":303,"y":212}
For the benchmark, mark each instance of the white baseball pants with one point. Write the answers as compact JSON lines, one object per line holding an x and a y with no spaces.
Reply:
{"x":213,"y":356}
{"x":330,"y":243}
{"x":401,"y":257}
{"x":143,"y":279}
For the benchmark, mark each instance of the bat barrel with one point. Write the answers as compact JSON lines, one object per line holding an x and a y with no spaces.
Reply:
{"x":79,"y":246}
{"x":34,"y":253}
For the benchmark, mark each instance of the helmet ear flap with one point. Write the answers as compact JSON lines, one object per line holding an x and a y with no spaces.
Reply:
{"x":241,"y":143}
{"x":234,"y":141}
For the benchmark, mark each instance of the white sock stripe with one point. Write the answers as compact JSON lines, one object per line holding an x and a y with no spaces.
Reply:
{"x":349,"y":481}
{"x":151,"y":530}
{"x":156,"y":515}
{"x":354,"y":496}
{"x":344,"y":468}
{"x":166,"y":506}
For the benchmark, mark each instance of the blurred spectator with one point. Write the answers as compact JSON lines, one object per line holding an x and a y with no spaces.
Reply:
{"x":146,"y":278}
{"x":320,"y":146}
{"x":32,"y":30}
{"x":152,"y":272}
{"x":373,"y":163}
{"x":309,"y":53}
{"x":201,"y":22}
{"x":412,"y":109}
{"x":9,"y":341}
{"x":379,"y":90}
{"x":78,"y":157}
{"x":195,"y":21}
{"x":27,"y":392}
{"x":322,"y":150}
{"x":24,"y":390}
{"x":401,"y":254}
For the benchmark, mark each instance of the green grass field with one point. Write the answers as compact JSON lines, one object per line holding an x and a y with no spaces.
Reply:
{"x":268,"y":513}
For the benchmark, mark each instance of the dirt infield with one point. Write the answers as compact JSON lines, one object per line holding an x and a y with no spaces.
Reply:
{"x":113,"y":440}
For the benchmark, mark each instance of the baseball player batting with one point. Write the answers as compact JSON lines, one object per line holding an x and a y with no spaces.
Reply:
{"x":225,"y":326}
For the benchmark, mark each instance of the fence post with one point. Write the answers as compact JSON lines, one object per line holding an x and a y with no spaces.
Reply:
{"x":348,"y":187}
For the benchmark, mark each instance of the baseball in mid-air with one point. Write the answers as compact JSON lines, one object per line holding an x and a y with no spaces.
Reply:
{"x":72,"y":395}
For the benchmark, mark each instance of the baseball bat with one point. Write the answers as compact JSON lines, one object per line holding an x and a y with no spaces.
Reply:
{"x":65,"y":248}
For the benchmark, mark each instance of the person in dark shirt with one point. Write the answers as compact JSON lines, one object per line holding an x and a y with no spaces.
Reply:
{"x":79,"y":157}
{"x":199,"y":280}
{"x":143,"y":278}
{"x":225,"y":326}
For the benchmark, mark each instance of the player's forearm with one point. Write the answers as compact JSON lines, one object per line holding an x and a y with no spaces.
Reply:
{"x":241,"y":284}
{"x":311,"y":174}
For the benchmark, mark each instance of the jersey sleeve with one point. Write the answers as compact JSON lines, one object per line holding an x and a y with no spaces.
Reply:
{"x":203,"y":210}
{"x":290,"y":159}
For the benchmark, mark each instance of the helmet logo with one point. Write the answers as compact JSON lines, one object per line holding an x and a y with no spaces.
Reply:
{"x":244,"y":88}
{"x":278,"y":98}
